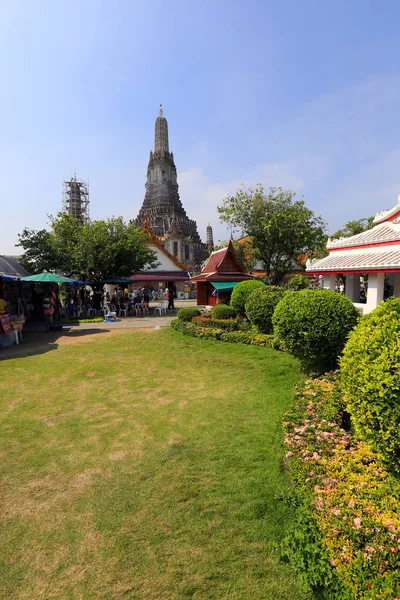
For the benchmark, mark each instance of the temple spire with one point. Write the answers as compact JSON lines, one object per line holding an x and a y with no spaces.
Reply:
{"x":161,"y":133}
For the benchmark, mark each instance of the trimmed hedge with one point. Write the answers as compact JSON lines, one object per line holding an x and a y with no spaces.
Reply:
{"x":241,"y":292}
{"x":251,"y":338}
{"x":195,"y":331}
{"x":226,"y":324}
{"x":260,"y":306}
{"x":314,"y":325}
{"x":223,"y":311}
{"x":370,"y":373}
{"x":187,"y":314}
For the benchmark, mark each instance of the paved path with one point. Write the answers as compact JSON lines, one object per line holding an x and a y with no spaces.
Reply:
{"x":128,"y":323}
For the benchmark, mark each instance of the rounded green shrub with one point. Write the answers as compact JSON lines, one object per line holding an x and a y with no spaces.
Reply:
{"x":223,"y":311}
{"x":299,"y":282}
{"x":314,"y":326}
{"x":241,"y":292}
{"x":187,"y":314}
{"x":260,"y":306}
{"x":370,"y":375}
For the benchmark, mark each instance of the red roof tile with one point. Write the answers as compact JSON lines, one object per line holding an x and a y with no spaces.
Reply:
{"x":220,"y":259}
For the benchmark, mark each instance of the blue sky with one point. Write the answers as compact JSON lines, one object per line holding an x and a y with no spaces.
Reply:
{"x":305,"y":95}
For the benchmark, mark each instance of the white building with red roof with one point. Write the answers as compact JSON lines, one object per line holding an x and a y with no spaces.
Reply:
{"x":169,"y":272}
{"x":373,"y":253}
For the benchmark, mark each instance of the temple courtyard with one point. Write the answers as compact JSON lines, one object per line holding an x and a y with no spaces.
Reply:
{"x":140,"y":464}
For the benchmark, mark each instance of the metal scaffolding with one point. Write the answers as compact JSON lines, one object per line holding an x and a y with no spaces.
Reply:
{"x":76,"y":197}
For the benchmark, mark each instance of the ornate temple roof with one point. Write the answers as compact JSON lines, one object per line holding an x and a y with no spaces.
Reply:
{"x":384,"y":232}
{"x":153,"y":240}
{"x":10,"y":266}
{"x":388,"y":215}
{"x":377,"y":249}
{"x":223,"y":265}
{"x":368,"y":260}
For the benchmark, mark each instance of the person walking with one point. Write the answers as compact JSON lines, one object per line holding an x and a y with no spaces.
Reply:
{"x":170,"y":299}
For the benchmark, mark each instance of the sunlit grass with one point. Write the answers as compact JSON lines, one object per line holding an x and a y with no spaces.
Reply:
{"x":144,"y":466}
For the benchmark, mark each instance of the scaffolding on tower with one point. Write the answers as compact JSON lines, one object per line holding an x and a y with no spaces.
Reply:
{"x":76,"y":197}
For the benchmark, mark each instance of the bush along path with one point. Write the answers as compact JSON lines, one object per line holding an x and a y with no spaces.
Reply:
{"x":225,"y":331}
{"x":345,"y":540}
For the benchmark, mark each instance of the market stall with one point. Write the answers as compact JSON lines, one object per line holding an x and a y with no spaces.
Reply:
{"x":13,"y":297}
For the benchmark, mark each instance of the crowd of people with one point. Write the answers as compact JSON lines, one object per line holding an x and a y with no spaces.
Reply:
{"x":100,"y":300}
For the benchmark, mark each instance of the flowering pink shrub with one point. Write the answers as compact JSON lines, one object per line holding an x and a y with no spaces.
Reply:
{"x":351,"y":498}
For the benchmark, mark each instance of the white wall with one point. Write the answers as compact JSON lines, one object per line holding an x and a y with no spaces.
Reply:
{"x":165,"y":263}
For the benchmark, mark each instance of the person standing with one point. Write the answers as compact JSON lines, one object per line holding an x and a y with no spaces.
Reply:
{"x":48,"y":310}
{"x":3,"y":304}
{"x":170,"y":299}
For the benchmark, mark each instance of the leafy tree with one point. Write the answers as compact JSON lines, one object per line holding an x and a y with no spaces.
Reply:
{"x":298,"y":282}
{"x":38,"y":250}
{"x":353,"y":228}
{"x":281,"y":228}
{"x":92,"y":250}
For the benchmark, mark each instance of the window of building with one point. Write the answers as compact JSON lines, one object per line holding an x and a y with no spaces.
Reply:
{"x":187,"y":255}
{"x":176,"y":249}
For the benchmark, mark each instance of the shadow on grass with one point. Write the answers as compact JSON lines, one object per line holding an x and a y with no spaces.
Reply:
{"x":41,"y":342}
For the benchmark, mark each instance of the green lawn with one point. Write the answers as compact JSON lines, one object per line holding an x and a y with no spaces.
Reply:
{"x":144,"y":466}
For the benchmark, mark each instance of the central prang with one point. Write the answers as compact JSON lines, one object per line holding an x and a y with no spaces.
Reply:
{"x":162,"y":207}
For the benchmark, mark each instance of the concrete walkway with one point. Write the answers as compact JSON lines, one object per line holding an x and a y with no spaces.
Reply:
{"x":127,"y":323}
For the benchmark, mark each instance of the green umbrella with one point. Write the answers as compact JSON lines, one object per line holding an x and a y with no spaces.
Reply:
{"x":49,"y":278}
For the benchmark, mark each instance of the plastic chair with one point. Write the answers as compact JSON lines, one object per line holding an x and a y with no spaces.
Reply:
{"x":161,"y":308}
{"x":91,"y":311}
{"x":80,"y":312}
